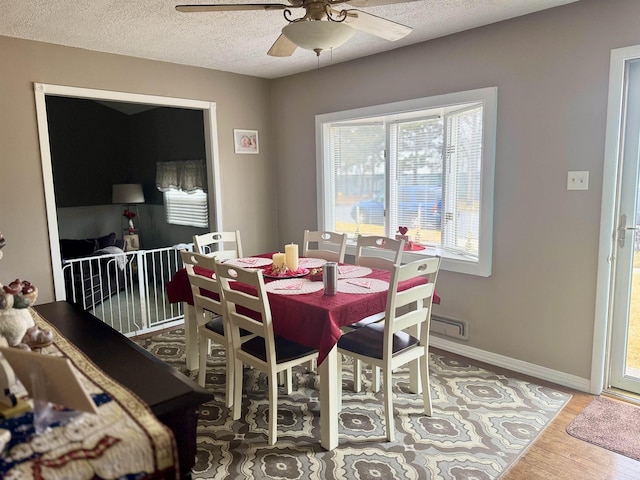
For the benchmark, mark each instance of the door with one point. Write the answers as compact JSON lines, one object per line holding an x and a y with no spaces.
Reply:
{"x":625,"y":321}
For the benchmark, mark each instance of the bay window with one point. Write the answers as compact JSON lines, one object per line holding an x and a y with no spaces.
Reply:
{"x":423,"y":166}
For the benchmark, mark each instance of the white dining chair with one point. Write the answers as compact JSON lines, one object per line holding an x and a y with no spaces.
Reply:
{"x":378,"y":252}
{"x":263,"y":351}
{"x":387,"y":344}
{"x":382,"y":253}
{"x":330,"y":246}
{"x":209,"y":316}
{"x":224,"y":245}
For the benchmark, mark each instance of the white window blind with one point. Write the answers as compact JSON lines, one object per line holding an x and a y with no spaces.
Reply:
{"x":415,"y":166}
{"x":461,"y":228}
{"x":187,"y":208}
{"x":358,"y":165}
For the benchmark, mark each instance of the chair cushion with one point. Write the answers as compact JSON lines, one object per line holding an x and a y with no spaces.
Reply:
{"x":77,"y":248}
{"x":216,"y":325}
{"x":369,"y":341}
{"x":286,"y":350}
{"x":106,"y":241}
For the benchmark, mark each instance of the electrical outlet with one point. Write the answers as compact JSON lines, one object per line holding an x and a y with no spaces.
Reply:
{"x":578,"y":180}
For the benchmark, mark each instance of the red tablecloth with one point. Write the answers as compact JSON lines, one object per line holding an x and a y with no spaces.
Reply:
{"x":312,"y":319}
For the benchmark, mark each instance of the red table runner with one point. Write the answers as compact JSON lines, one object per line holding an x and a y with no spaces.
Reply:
{"x":124,"y":440}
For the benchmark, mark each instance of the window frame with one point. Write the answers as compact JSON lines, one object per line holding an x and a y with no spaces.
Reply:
{"x":450,"y":261}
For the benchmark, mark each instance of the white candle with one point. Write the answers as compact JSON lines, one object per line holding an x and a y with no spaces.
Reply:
{"x":278,"y":260}
{"x":291,"y":255}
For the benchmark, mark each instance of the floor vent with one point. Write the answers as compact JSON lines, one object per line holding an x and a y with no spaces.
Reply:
{"x":450,"y":327}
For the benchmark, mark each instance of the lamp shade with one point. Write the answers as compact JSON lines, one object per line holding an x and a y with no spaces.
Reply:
{"x":125,"y":193}
{"x":318,"y":35}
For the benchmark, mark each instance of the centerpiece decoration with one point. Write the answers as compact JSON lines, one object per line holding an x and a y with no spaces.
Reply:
{"x":286,"y":264}
{"x":130,"y":215}
{"x":408,"y":244}
{"x":316,"y":274}
{"x":279,"y":264}
{"x":403,"y":234}
{"x":291,"y":256}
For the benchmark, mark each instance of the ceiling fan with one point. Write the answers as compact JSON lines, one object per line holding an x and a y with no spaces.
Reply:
{"x":322,"y":27}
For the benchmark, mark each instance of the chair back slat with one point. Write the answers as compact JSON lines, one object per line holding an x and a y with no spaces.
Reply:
{"x":200,"y":281}
{"x":411,"y":306}
{"x":330,"y":246}
{"x":238,"y":303}
{"x":222,"y":245}
{"x":378,"y":252}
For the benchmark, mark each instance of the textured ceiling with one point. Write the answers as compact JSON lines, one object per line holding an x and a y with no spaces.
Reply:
{"x":233,"y":41}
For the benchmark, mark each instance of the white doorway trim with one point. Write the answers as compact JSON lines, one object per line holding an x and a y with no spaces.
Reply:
{"x":208,"y":109}
{"x":608,"y":221}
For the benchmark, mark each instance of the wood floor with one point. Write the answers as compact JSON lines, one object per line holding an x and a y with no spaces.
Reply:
{"x":556,"y":455}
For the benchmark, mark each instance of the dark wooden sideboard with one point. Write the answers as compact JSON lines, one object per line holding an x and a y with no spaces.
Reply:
{"x":172,"y":397}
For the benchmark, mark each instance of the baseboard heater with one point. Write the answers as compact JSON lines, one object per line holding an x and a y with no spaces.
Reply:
{"x":450,"y":327}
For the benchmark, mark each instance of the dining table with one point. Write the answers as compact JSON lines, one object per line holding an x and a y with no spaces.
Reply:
{"x":301,"y":312}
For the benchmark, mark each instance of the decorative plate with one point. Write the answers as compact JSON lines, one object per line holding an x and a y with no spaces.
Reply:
{"x":301,"y":272}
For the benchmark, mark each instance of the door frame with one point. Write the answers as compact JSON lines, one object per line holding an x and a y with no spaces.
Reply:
{"x":612,"y":170}
{"x":41,"y":90}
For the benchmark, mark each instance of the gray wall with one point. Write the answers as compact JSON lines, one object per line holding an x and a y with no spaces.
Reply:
{"x":241,"y":102}
{"x":551,"y":69}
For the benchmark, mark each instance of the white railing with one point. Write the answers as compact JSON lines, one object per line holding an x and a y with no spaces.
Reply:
{"x":126,"y":290}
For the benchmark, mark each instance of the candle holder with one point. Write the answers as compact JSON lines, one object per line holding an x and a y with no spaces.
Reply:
{"x":279,"y":269}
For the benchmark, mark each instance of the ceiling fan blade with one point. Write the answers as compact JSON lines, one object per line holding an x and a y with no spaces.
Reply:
{"x":381,"y":27}
{"x":225,"y":7}
{"x":282,"y":47}
{"x":375,"y":3}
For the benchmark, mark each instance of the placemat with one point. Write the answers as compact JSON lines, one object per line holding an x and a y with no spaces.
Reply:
{"x":353,"y":271}
{"x":250,"y":262}
{"x":308,"y":262}
{"x":293,"y":286}
{"x":362,"y":285}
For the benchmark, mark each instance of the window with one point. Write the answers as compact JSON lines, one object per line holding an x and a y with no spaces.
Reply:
{"x":187,"y":208}
{"x":424,"y":164}
{"x":183,"y":183}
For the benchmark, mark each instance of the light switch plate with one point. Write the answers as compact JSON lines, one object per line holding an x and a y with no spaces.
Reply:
{"x":578,"y":180}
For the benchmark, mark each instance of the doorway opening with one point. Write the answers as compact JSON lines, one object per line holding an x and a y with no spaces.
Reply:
{"x":616,"y":349}
{"x":43,"y":92}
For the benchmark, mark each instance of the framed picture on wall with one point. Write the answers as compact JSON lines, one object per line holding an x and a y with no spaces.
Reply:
{"x":245,"y":141}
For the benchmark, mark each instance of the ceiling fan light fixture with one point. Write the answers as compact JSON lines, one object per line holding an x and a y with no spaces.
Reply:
{"x":318,"y":35}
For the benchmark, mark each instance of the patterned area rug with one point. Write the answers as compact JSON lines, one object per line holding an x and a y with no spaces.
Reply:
{"x":610,"y":424}
{"x":482,"y":422}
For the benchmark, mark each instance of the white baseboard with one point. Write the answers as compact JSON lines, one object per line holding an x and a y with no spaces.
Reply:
{"x":533,"y":370}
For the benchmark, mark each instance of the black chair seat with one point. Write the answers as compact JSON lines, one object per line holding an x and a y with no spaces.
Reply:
{"x":369,"y":341}
{"x":216,"y":325}
{"x":286,"y":350}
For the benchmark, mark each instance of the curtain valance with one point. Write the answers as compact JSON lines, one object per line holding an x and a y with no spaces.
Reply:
{"x":185,"y":175}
